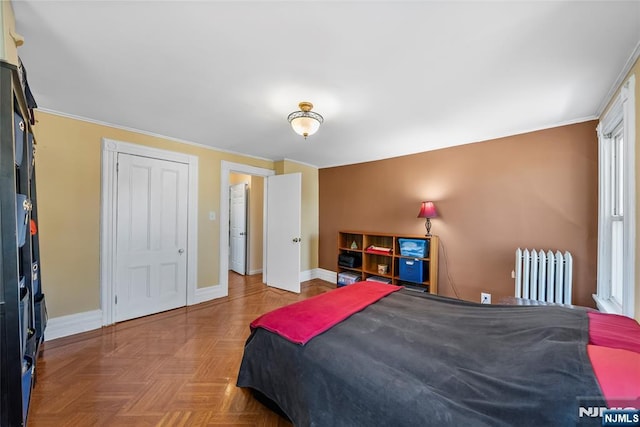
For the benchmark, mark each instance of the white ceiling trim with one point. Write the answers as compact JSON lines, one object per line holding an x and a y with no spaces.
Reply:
{"x":490,"y":138}
{"x":147,"y":133}
{"x":299,"y":162}
{"x":616,"y":85}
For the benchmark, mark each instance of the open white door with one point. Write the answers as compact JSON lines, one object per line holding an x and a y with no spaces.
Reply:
{"x":238,"y":227}
{"x":284,"y":198}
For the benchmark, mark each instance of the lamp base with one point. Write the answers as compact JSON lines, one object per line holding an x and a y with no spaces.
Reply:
{"x":427,"y":225}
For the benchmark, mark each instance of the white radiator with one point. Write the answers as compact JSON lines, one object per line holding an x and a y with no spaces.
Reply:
{"x":543,"y":277}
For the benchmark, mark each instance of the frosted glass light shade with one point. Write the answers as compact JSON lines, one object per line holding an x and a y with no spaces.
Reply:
{"x":305,"y":122}
{"x":305,"y":126}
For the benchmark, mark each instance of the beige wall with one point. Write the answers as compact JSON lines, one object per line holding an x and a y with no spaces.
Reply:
{"x":536,"y":190}
{"x":310,"y":204}
{"x":238,"y":178}
{"x":68,"y":173}
{"x":256,"y":229}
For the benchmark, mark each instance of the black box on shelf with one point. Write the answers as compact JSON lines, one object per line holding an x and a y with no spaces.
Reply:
{"x":350,"y":260}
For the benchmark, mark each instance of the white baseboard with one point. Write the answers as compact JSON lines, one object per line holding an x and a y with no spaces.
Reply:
{"x":327,"y":275}
{"x":58,"y":327}
{"x":208,"y":293}
{"x":306,"y":275}
{"x":252,"y":272}
{"x":318,"y":273}
{"x":63,"y":326}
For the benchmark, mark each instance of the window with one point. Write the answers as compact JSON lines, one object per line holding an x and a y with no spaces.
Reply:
{"x":616,"y":210}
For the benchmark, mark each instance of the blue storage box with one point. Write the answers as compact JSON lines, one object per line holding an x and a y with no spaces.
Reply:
{"x":412,"y":270}
{"x":347,"y":278}
{"x":414,"y":247}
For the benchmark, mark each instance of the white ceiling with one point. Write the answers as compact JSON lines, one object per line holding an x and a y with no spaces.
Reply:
{"x":389,"y":77}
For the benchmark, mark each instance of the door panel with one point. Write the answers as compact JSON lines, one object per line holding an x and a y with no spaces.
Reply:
{"x":284,"y":195}
{"x":151,"y":236}
{"x":238,"y":227}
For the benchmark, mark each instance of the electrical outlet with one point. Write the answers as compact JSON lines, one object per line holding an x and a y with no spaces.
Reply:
{"x":485,"y":298}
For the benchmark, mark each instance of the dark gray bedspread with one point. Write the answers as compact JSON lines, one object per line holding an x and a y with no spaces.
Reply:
{"x":419,"y":360}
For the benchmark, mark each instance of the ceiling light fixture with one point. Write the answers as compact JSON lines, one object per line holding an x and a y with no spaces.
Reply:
{"x":305,"y":122}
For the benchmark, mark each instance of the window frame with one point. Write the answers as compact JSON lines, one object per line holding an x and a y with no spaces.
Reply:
{"x":621,"y":113}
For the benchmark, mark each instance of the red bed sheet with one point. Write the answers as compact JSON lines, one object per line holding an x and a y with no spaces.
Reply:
{"x":301,"y":321}
{"x":612,"y":330}
{"x":618,"y":373}
{"x":614,"y":352}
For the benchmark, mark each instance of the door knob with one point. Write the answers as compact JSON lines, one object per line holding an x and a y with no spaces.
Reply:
{"x":180,"y":251}
{"x":297,"y":239}
{"x":242,"y":233}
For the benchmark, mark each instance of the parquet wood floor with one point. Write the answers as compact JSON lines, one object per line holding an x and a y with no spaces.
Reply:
{"x":176,"y":368}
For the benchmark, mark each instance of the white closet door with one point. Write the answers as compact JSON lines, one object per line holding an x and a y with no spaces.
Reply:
{"x":151,"y":259}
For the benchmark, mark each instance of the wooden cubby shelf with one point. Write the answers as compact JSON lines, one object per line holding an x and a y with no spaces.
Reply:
{"x":378,"y":252}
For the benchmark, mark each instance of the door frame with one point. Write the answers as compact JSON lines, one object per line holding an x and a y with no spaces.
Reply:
{"x":226,"y":168}
{"x":110,"y":150}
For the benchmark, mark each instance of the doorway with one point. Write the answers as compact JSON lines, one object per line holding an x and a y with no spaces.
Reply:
{"x":275,"y":226}
{"x":246,"y":225}
{"x":226,"y":171}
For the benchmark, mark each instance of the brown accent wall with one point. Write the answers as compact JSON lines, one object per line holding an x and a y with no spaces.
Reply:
{"x":536,"y":190}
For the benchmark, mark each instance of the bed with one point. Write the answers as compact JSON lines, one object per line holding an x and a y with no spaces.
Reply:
{"x":371,"y":354}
